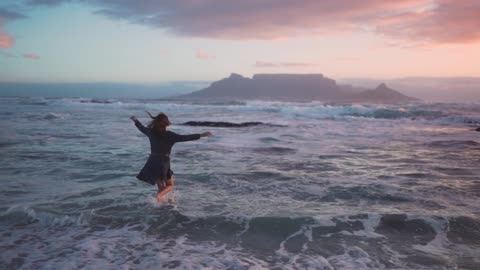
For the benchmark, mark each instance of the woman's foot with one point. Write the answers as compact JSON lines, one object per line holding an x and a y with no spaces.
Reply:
{"x":160,"y":197}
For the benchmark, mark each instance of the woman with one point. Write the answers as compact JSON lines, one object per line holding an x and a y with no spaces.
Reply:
{"x":157,"y":169}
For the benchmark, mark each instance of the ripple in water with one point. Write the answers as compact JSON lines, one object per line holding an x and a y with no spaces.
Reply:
{"x":336,"y":187}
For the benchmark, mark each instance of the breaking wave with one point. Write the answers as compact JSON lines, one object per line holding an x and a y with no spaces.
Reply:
{"x":442,"y":113}
{"x":175,"y":240}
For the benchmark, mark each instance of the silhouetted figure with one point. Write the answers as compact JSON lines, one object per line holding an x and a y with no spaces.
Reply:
{"x":157,"y":169}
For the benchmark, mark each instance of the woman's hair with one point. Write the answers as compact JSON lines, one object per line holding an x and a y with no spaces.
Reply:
{"x":159,"y":123}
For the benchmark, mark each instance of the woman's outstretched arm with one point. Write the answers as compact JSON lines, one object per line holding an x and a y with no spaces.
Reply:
{"x":140,"y":127}
{"x":190,"y":137}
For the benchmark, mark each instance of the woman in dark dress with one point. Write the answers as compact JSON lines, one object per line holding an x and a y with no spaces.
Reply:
{"x":157,"y":169}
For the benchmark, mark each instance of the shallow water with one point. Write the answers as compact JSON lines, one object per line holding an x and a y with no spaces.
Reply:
{"x":330,"y":187}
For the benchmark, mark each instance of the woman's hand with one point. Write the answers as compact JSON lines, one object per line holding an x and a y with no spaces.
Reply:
{"x":206,"y":134}
{"x":134,"y":119}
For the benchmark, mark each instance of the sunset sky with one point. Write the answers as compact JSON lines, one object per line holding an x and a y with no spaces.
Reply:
{"x":158,"y":41}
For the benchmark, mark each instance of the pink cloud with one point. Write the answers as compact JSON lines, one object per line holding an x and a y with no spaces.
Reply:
{"x":6,"y":41}
{"x":202,"y":54}
{"x":32,"y":56}
{"x":264,"y":64}
{"x":417,"y":21}
{"x":163,"y":52}
{"x":346,"y":58}
{"x":297,"y":64}
{"x":251,"y":19}
{"x":448,"y":21}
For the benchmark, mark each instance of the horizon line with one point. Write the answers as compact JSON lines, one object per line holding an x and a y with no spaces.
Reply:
{"x":155,"y":83}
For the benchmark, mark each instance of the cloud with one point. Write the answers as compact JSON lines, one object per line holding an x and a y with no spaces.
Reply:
{"x":32,"y":56}
{"x":8,"y":55}
{"x":163,"y":51}
{"x":433,"y":21}
{"x":45,"y":2}
{"x":7,"y":40}
{"x":248,"y":19}
{"x":449,"y":21}
{"x":201,"y":54}
{"x":346,"y":58}
{"x":296,"y":64}
{"x":264,"y":64}
{"x":6,"y":15}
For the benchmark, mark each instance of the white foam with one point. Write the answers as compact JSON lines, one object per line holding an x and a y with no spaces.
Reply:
{"x":291,"y":110}
{"x":45,"y":218}
{"x":354,"y":258}
{"x":439,"y":245}
{"x":369,"y":226}
{"x":52,"y":116}
{"x":324,"y":221}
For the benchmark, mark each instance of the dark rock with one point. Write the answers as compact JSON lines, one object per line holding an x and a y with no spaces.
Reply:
{"x":464,"y":230}
{"x":265,"y":234}
{"x":405,"y":231}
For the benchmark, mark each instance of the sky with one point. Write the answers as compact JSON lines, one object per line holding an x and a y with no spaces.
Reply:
{"x":157,"y":41}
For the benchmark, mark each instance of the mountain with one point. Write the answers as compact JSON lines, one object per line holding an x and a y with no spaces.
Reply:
{"x":435,"y":89}
{"x":381,"y":94}
{"x":232,"y":87}
{"x":294,"y":87}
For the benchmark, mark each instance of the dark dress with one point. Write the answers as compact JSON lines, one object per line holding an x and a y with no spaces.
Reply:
{"x":158,"y":163}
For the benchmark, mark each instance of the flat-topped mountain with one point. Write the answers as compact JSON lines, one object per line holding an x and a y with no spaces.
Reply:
{"x":294,"y":87}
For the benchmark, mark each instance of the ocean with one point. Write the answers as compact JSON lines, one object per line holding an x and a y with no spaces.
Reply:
{"x":321,"y":186}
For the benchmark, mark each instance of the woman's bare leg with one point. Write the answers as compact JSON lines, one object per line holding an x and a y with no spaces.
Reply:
{"x":166,"y":189}
{"x":161,"y":185}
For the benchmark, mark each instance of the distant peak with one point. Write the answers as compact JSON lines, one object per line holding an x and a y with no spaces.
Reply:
{"x":382,"y":86}
{"x":235,"y":75}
